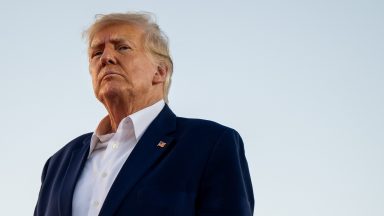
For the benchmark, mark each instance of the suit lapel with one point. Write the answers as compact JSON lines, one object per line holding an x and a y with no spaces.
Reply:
{"x":75,"y":166}
{"x":145,"y":154}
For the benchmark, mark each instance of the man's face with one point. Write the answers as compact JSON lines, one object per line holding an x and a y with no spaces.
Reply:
{"x":119,"y":64}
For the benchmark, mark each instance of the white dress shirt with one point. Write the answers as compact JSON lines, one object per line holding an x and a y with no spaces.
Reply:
{"x":107,"y":154}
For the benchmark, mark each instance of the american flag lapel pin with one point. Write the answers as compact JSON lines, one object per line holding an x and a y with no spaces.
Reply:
{"x":161,"y":144}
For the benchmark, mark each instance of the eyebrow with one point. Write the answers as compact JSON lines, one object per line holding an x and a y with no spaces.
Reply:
{"x":115,"y":40}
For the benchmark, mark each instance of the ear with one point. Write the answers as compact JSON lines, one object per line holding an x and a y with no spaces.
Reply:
{"x":161,"y":73}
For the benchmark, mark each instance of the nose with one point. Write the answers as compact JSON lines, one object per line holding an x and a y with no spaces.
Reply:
{"x":108,"y":57}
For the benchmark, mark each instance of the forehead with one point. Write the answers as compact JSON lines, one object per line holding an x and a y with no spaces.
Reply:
{"x":116,"y":32}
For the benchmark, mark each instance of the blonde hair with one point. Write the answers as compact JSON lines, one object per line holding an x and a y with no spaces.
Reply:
{"x":155,"y":41}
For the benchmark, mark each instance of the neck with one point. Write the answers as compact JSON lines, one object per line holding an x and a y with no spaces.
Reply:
{"x":118,"y":108}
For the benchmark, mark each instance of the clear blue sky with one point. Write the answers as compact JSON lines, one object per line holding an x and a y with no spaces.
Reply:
{"x":302,"y":82}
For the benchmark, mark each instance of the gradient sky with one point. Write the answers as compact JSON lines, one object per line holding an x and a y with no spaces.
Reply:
{"x":302,"y":81}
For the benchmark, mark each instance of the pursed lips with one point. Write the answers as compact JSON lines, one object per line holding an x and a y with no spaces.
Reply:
{"x":109,"y":73}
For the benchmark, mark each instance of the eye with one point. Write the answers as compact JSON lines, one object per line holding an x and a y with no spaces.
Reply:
{"x":123,"y":47}
{"x":97,"y":53}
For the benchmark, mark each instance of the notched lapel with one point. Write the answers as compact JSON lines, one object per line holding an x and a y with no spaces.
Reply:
{"x":145,"y":155}
{"x":75,"y":166}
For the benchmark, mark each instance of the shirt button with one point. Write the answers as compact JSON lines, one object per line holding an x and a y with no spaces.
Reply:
{"x":114,"y":146}
{"x":96,"y":203}
{"x":104,"y":175}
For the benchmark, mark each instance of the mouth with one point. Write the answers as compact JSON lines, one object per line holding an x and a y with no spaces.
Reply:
{"x":109,"y":74}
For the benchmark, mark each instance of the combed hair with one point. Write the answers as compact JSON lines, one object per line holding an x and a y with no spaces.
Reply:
{"x":155,"y":41}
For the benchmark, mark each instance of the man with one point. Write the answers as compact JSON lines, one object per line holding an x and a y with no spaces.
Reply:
{"x":142,"y":159}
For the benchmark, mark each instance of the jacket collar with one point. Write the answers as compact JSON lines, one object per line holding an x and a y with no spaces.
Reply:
{"x":75,"y":166}
{"x":145,"y":154}
{"x":149,"y":148}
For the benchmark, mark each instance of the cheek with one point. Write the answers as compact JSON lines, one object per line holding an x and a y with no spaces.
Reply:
{"x":144,"y":76}
{"x":148,"y":71}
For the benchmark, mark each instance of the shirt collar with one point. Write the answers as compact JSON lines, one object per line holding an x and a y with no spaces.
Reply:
{"x":140,"y":120}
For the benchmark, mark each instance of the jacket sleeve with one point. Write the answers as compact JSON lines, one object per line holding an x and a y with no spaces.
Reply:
{"x":226,"y":187}
{"x":43,"y":175}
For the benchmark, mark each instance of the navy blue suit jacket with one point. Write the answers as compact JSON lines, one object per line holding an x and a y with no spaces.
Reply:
{"x":202,"y":170}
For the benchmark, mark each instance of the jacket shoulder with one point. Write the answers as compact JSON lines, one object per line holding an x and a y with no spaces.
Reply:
{"x":63,"y":155}
{"x":204,"y":132}
{"x":74,"y":144}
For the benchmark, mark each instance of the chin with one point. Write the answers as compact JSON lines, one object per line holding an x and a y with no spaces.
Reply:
{"x":109,"y":92}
